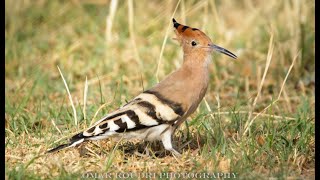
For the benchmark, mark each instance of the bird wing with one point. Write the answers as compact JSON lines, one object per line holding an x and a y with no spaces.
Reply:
{"x":146,"y":110}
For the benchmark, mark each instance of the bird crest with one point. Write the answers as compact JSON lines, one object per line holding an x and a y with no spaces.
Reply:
{"x":186,"y":33}
{"x":195,"y":41}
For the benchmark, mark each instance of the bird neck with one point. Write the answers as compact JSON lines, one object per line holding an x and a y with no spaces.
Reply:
{"x":195,"y":73}
{"x":195,"y":67}
{"x":196,"y":62}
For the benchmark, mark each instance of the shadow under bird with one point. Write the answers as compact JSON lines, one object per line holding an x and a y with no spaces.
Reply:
{"x":156,"y":113}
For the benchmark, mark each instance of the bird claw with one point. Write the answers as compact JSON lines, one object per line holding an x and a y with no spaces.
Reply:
{"x":175,"y":153}
{"x":146,"y":154}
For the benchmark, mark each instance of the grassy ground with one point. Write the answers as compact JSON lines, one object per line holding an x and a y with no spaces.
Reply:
{"x":258,"y":117}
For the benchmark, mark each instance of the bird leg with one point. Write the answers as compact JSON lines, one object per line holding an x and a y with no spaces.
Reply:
{"x":167,"y":143}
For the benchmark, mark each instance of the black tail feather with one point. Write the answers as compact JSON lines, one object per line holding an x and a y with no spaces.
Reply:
{"x":62,"y":146}
{"x":77,"y":137}
{"x":74,"y":140}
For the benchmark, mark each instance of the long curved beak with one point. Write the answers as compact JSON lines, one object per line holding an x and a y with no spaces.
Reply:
{"x":223,"y":51}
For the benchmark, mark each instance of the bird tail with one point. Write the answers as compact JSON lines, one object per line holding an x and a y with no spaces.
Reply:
{"x":75,"y":140}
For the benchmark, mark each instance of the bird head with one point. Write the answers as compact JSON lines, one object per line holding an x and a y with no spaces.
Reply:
{"x":194,"y":41}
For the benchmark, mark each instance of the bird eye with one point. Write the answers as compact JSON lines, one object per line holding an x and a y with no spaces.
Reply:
{"x":193,"y":43}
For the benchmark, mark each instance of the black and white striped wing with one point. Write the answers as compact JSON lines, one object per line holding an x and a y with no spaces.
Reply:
{"x":146,"y":110}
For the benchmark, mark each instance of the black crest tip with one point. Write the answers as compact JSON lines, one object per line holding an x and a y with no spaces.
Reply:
{"x":175,"y":23}
{"x":173,"y":20}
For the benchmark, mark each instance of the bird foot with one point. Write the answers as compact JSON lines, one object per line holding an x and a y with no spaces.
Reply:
{"x":146,"y":153}
{"x":175,"y":153}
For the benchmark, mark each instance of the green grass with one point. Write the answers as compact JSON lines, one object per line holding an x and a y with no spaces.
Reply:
{"x":41,"y":35}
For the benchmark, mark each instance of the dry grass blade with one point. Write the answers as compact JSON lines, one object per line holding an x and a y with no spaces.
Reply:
{"x":254,"y":113}
{"x":183,"y":11}
{"x":269,"y":57}
{"x":95,"y":115}
{"x":90,"y":150}
{"x":132,"y":35}
{"x":60,"y":139}
{"x":85,"y":98}
{"x":109,"y":20}
{"x":165,"y":40}
{"x":97,"y":79}
{"x":219,"y":106}
{"x":208,"y":108}
{"x":54,"y":125}
{"x":111,"y":155}
{"x":70,"y":98}
{"x":287,"y":75}
{"x":15,"y":157}
{"x":8,"y":130}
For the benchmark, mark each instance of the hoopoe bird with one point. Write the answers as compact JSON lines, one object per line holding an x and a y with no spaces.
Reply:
{"x":156,"y":113}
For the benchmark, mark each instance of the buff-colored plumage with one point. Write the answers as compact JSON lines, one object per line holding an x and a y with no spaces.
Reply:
{"x":156,"y":113}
